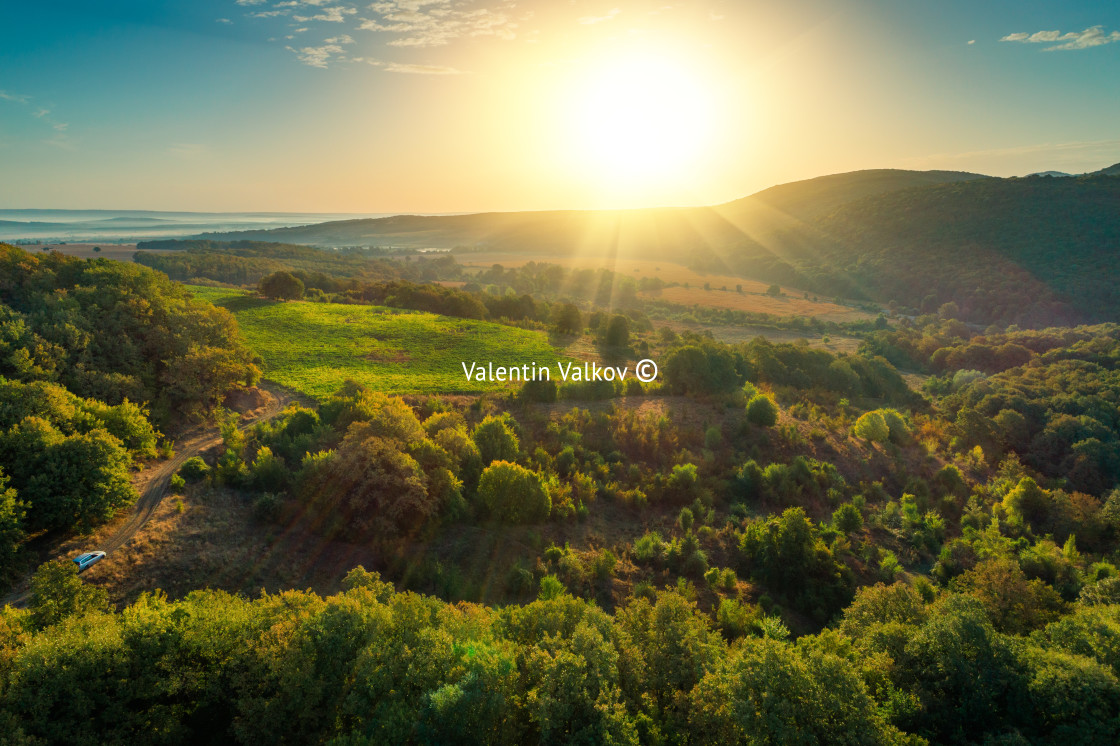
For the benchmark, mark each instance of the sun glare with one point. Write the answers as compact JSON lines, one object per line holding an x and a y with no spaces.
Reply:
{"x":641,"y":118}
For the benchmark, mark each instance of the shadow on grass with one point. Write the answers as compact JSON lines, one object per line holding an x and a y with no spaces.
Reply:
{"x":244,"y":303}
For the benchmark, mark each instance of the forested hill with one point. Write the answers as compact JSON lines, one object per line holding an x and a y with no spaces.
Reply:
{"x":1031,"y":251}
{"x":659,"y":231}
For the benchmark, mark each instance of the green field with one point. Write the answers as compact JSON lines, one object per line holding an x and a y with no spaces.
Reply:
{"x":314,"y":347}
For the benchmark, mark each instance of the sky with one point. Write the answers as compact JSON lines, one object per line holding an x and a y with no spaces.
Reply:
{"x":480,"y":105}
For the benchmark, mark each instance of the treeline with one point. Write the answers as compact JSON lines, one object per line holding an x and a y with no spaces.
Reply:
{"x":246,"y":262}
{"x":113,"y":331}
{"x":371,"y":665}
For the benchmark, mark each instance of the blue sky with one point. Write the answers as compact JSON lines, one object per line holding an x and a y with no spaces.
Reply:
{"x":450,"y":105}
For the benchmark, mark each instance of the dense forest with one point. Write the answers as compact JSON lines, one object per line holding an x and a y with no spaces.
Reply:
{"x":772,"y":543}
{"x":95,"y":356}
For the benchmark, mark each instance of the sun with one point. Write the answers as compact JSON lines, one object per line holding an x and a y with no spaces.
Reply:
{"x":641,"y":118}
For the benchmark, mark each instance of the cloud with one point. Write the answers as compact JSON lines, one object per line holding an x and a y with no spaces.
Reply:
{"x":317,"y":56}
{"x":336,"y":14}
{"x":250,"y":2}
{"x":435,"y":23}
{"x":589,"y":20}
{"x":343,"y":39}
{"x":1093,"y":36}
{"x":41,"y":113}
{"x":971,"y":42}
{"x":396,"y":67}
{"x":223,"y":20}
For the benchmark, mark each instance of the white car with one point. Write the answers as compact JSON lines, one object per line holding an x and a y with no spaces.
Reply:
{"x":87,"y":560}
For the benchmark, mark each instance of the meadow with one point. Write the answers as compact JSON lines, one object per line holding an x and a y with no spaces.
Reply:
{"x":720,"y":292}
{"x":313,"y":348}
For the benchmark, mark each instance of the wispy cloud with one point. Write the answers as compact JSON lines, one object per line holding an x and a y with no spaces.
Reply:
{"x":223,"y":20}
{"x":610,"y":14}
{"x":41,"y":113}
{"x":396,"y":67}
{"x":405,"y":24}
{"x":1094,"y":36}
{"x":434,"y":23}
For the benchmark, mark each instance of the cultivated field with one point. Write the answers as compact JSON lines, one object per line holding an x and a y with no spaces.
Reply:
{"x":313,"y":348}
{"x":722,"y":294}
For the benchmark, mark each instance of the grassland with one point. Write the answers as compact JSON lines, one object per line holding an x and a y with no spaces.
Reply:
{"x":722,"y":294}
{"x":313,"y":348}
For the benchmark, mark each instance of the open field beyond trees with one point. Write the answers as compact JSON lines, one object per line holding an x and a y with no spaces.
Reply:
{"x":314,"y":348}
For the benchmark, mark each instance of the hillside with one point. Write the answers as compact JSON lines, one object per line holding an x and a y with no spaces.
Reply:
{"x":920,"y":239}
{"x":1029,"y":251}
{"x":657,"y":231}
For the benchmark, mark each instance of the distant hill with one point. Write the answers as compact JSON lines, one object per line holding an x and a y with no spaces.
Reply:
{"x":663,"y":232}
{"x":1031,"y":251}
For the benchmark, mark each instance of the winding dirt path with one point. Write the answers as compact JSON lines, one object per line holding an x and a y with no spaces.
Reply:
{"x":155,"y":488}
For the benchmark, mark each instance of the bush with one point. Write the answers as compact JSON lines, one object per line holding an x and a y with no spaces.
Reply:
{"x":683,"y":483}
{"x":496,"y":440}
{"x":847,"y":519}
{"x":762,"y":411}
{"x":899,"y":433}
{"x":282,"y":286}
{"x":872,"y":427}
{"x":513,"y":494}
{"x":194,"y":469}
{"x":268,"y":472}
{"x":267,"y":507}
{"x":543,"y":391}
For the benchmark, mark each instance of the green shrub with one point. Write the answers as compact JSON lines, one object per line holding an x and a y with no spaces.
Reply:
{"x":762,"y":411}
{"x":872,"y":427}
{"x":194,"y":469}
{"x":513,"y":494}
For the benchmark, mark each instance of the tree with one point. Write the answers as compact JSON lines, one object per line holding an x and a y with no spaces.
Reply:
{"x":11,"y":524}
{"x":762,"y":411}
{"x":57,"y":593}
{"x":513,"y":494}
{"x":617,"y":333}
{"x":872,"y":427}
{"x":281,"y":286}
{"x":773,"y":291}
{"x":770,"y":692}
{"x":567,"y":319}
{"x":75,"y":481}
{"x":847,"y":518}
{"x":1028,"y":503}
{"x":368,"y":487}
{"x":496,"y":440}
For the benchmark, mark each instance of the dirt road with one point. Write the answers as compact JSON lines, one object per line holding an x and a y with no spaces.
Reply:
{"x":155,"y":488}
